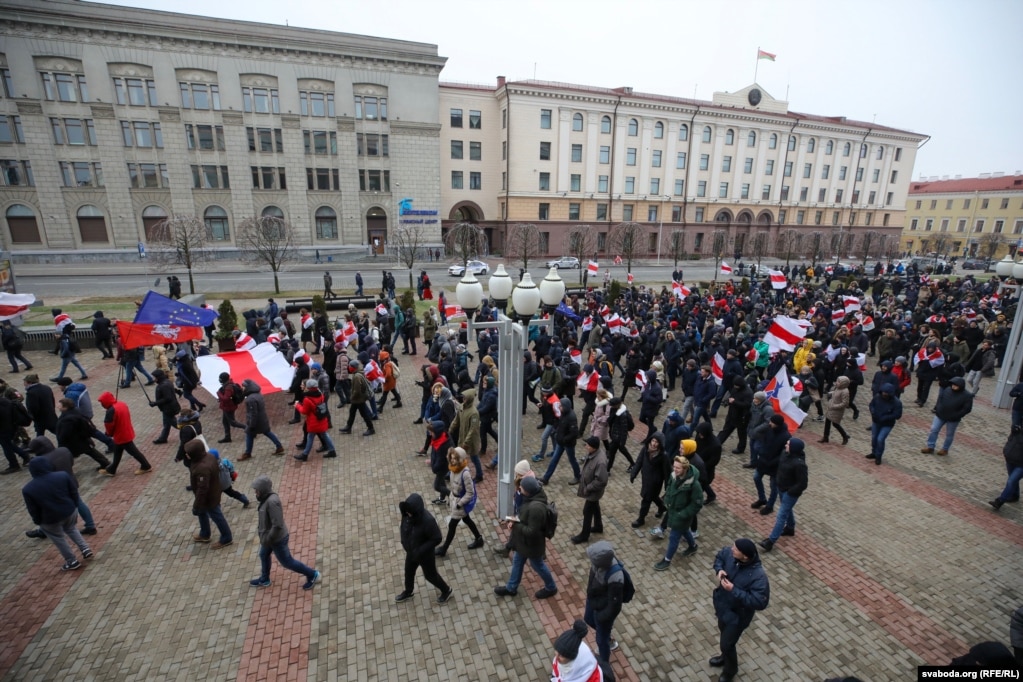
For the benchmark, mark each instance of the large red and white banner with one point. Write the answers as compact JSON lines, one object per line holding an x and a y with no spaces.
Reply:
{"x":785,"y":333}
{"x":263,"y":364}
{"x":12,"y":305}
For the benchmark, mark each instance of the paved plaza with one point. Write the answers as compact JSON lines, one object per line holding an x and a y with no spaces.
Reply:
{"x":892,"y":567}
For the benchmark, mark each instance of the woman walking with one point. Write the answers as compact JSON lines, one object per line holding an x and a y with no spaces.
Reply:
{"x":838,"y":401}
{"x":461,"y":501}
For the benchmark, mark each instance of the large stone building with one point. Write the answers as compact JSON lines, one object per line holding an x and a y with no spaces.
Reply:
{"x":112,"y":118}
{"x":980,"y":217}
{"x":563,"y":156}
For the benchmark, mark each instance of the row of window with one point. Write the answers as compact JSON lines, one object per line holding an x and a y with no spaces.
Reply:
{"x":978,"y":225}
{"x":475,"y":119}
{"x":629,"y":210}
{"x":984,"y":204}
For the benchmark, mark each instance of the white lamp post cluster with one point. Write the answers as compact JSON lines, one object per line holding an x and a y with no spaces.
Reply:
{"x":513,"y":337}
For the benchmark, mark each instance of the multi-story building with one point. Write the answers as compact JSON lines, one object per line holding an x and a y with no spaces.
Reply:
{"x":113,"y":118}
{"x":980,"y":216}
{"x":561,"y":156}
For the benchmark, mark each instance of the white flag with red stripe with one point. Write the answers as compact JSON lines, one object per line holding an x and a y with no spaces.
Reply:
{"x":372,"y":371}
{"x":577,"y":355}
{"x":838,"y":315}
{"x":12,"y":305}
{"x":867,"y":322}
{"x":587,"y":323}
{"x":680,"y":289}
{"x":263,"y":364}
{"x":851,"y":304}
{"x":604,"y":311}
{"x":349,"y":333}
{"x":785,"y":333}
{"x":588,"y":382}
{"x":935,"y":359}
{"x":630,"y":278}
{"x":614,"y":324}
{"x":782,"y":399}
{"x":641,"y":379}
{"x":726,"y":269}
{"x":861,"y":362}
{"x":244,"y":342}
{"x":778,"y":279}
{"x":717,"y":368}
{"x":381,"y":309}
{"x":593,"y":268}
{"x":62,"y":320}
{"x":453,"y":311}
{"x":831,"y":352}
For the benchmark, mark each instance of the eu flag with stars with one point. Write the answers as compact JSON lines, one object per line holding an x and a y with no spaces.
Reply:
{"x":158,"y":309}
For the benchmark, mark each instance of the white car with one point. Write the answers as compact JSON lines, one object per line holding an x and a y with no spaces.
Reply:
{"x":476,"y":267}
{"x":566,"y":262}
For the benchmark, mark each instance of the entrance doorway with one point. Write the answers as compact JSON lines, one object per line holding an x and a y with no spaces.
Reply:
{"x":376,"y":229}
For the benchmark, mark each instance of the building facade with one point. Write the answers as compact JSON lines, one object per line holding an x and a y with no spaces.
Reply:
{"x":979,"y":217}
{"x":566,"y":156}
{"x":113,"y":118}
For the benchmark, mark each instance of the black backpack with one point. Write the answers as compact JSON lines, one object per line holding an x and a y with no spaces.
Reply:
{"x":550,"y":525}
{"x":321,"y":409}
{"x":237,"y":395}
{"x":628,"y":587}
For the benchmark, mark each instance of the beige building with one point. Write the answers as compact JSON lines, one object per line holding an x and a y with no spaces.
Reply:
{"x":980,"y":217}
{"x":112,"y":118}
{"x":560,"y":155}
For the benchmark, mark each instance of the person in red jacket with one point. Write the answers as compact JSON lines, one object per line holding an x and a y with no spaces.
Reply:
{"x":118,"y":426}
{"x":314,"y":407}
{"x":229,"y":396}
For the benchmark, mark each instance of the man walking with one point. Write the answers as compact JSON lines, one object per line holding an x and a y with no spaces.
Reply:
{"x":954,"y":403}
{"x":67,"y":349}
{"x":743,"y":589}
{"x":739,"y":406}
{"x":604,"y":592}
{"x":529,"y":541}
{"x":204,"y":472}
{"x":273,"y":537}
{"x":420,"y":536}
{"x":13,"y":344}
{"x":358,"y":284}
{"x":362,"y":393}
{"x":51,"y":498}
{"x":117,"y":423}
{"x":592,"y":482}
{"x":328,"y":282}
{"x":792,"y":481}
{"x":167,"y":401}
{"x":61,"y":459}
{"x":39,"y":403}
{"x":885,"y":410}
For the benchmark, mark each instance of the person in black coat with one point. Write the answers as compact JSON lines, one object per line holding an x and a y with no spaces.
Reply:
{"x":767,"y":463}
{"x":166,"y":400}
{"x":39,"y":402}
{"x":101,"y":327}
{"x":619,"y":423}
{"x":650,"y":400}
{"x":74,"y":432}
{"x":708,"y":447}
{"x":1013,"y":453}
{"x":792,"y":481}
{"x":655,"y":466}
{"x":739,"y":403}
{"x":743,"y":589}
{"x":420,"y":536}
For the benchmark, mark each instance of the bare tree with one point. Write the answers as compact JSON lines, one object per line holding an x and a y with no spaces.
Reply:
{"x":789,"y":243}
{"x":867,"y":241}
{"x":624,"y":240}
{"x":941,"y":244}
{"x":408,"y":239}
{"x":841,"y":243}
{"x":815,"y":248}
{"x":581,"y":242}
{"x":675,"y":244}
{"x":759,"y":247}
{"x":523,"y":243}
{"x":267,"y":240}
{"x":466,"y":241}
{"x":181,"y":240}
{"x":989,"y":244}
{"x":719,"y":242}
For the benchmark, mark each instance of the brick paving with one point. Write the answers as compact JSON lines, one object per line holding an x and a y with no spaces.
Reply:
{"x":891,"y":567}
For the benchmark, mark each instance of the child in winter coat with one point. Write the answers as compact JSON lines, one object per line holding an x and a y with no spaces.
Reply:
{"x":228,"y":475}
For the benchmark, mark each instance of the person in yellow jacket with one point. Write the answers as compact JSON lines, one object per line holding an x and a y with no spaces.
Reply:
{"x":802,"y":354}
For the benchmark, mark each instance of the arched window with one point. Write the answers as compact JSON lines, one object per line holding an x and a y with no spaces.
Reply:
{"x":707,"y":132}
{"x":151,"y":217}
{"x":772,"y":142}
{"x":683,"y":132}
{"x":633,"y":127}
{"x":751,"y":139}
{"x":829,"y":148}
{"x":273,"y":212}
{"x":92,"y":225}
{"x":326,"y":223}
{"x":863,"y":151}
{"x":658,"y":130}
{"x":217,"y":227}
{"x":811,"y":145}
{"x":577,"y":122}
{"x":605,"y":125}
{"x":21,"y":222}
{"x":729,"y":136}
{"x":880,"y":153}
{"x":846,"y":149}
{"x":792,"y":143}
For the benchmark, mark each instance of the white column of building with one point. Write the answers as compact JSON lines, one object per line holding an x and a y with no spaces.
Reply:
{"x":643,"y":156}
{"x":591,"y":152}
{"x":561,"y":150}
{"x":760,"y":156}
{"x":671,"y":174}
{"x":716,"y":153}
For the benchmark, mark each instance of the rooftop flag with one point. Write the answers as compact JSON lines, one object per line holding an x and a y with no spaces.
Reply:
{"x":761,"y":54}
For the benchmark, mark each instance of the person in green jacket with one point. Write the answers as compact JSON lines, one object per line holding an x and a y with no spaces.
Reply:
{"x":683,"y":499}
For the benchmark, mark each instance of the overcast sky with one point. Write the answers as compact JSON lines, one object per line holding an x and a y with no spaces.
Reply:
{"x":944,"y":68}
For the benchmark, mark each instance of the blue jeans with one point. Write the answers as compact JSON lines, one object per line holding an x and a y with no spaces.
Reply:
{"x":878,"y":435}
{"x":251,"y":437}
{"x":1011,"y":492}
{"x":83,"y":511}
{"x":539,"y":565}
{"x":675,"y":538}
{"x":602,"y":629}
{"x":688,"y":407}
{"x":759,"y":483}
{"x":701,"y":412}
{"x":558,"y":450}
{"x":283,"y":554}
{"x":544,"y":437}
{"x":786,"y":517}
{"x":754,"y":452}
{"x":217,"y":515}
{"x":64,"y":362}
{"x":324,"y":440}
{"x":950,"y":433}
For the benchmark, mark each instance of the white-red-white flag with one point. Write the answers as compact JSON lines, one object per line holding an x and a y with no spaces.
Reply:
{"x":381,"y":309}
{"x":784,"y":333}
{"x":593,"y":268}
{"x":641,"y":379}
{"x":851,"y":304}
{"x":726,"y":269}
{"x":778,"y":279}
{"x":372,"y":371}
{"x":263,"y":364}
{"x":587,"y":323}
{"x":717,"y":368}
{"x":453,"y":311}
{"x":630,"y":278}
{"x":12,"y":305}
{"x":867,"y":322}
{"x":861,"y":362}
{"x":244,"y":342}
{"x":838,"y":315}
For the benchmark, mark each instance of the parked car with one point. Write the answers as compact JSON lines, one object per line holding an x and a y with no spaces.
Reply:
{"x":476,"y":267}
{"x":842,"y":269}
{"x":975,"y":264}
{"x":566,"y":262}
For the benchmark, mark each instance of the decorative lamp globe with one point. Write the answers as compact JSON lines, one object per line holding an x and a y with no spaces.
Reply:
{"x":552,"y":289}
{"x":1004,"y":267}
{"x":1017,"y":271}
{"x":469,"y":292}
{"x":500,"y":286}
{"x":526,"y":299}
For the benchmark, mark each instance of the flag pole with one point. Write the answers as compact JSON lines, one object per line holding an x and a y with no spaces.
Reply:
{"x":756,"y":66}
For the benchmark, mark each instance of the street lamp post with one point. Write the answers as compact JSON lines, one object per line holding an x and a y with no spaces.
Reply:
{"x":660,"y":226}
{"x":513,"y":337}
{"x":1012,"y":363}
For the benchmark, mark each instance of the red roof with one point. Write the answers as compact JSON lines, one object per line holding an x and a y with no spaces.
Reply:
{"x":1011,"y":183}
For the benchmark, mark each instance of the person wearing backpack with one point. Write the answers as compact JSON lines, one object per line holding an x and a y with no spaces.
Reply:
{"x":314,"y":407}
{"x":229,"y":397}
{"x":461,"y":501}
{"x":13,"y":344}
{"x":391,"y":374}
{"x":228,"y":474}
{"x":529,"y":541}
{"x":605,"y":593}
{"x":68,"y":348}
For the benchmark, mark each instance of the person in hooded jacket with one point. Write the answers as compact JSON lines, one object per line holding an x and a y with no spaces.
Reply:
{"x":683,"y":498}
{"x":62,"y":459}
{"x":926,"y":374}
{"x":188,"y":376}
{"x":954,"y":403}
{"x":430,"y":373}
{"x":838,"y":401}
{"x":461,"y":501}
{"x":885,"y":410}
{"x":1013,"y":453}
{"x":420,"y":536}
{"x":650,"y":402}
{"x":204,"y":476}
{"x":40,"y":404}
{"x":51,"y":498}
{"x":117,"y":423}
{"x":316,"y":423}
{"x":654,"y":466}
{"x":775,"y":437}
{"x":743,"y":589}
{"x":792,"y":481}
{"x":566,"y":433}
{"x":529,"y":541}
{"x":708,"y":448}
{"x":619,"y":424}
{"x":166,"y":401}
{"x":257,"y":423}
{"x":273,"y":537}
{"x":362,"y":395}
{"x":759,"y":423}
{"x":592,"y":483}
{"x":604,"y":590}
{"x":703,"y":393}
{"x":467,"y":425}
{"x":550,"y":409}
{"x":439,"y":444}
{"x":488,"y":415}
{"x":740,"y":401}
{"x":74,"y":432}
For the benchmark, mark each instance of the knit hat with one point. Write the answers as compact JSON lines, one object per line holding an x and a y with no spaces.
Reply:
{"x":568,"y":643}
{"x":530,"y":485}
{"x":760,"y":395}
{"x":522,"y":468}
{"x":593,"y":442}
{"x":796,"y":446}
{"x":65,"y":381}
{"x":747,"y":547}
{"x":777,"y":419}
{"x":688,"y":447}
